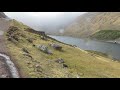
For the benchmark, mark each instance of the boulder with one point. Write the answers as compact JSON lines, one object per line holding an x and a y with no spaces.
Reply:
{"x":28,"y":63}
{"x":13,"y":34}
{"x":49,"y":52}
{"x":9,"y":39}
{"x":38,"y":68}
{"x":65,"y":66}
{"x":30,"y":40}
{"x":26,"y":54}
{"x":74,"y":46}
{"x":43,"y":38}
{"x":25,"y":50}
{"x":15,"y":38}
{"x":33,"y":45}
{"x":60,"y":61}
{"x":56,"y":46}
{"x":45,"y":49}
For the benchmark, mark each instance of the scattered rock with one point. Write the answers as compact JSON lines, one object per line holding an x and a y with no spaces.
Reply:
{"x":33,"y":45}
{"x":36,"y":32}
{"x":26,"y":54}
{"x":81,"y":74}
{"x":25,"y":50}
{"x":12,"y":29}
{"x":65,"y":66}
{"x":28,"y":63}
{"x":74,"y":46}
{"x":22,"y":35}
{"x":9,"y":39}
{"x":30,"y":40}
{"x":56,"y":46}
{"x":15,"y":38}
{"x":38,"y":68}
{"x":49,"y":52}
{"x":45,"y":49}
{"x":43,"y":37}
{"x":13,"y":34}
{"x":60,"y":61}
{"x":12,"y":38}
{"x":37,"y":65}
{"x":77,"y":76}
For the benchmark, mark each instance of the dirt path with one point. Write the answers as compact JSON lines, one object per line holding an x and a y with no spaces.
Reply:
{"x":4,"y":25}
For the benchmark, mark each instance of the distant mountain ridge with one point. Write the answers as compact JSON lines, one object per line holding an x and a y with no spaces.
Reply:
{"x":51,"y":25}
{"x":92,"y":22}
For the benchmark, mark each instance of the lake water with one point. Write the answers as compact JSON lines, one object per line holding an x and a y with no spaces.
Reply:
{"x":111,"y":49}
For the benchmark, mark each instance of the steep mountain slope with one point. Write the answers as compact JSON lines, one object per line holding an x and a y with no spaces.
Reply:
{"x":92,"y":22}
{"x":22,"y":43}
{"x":51,"y":23}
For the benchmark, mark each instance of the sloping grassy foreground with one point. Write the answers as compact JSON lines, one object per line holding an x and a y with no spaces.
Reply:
{"x":80,"y":63}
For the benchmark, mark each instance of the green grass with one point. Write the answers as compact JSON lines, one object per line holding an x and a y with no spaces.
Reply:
{"x":20,"y":25}
{"x":106,"y":35}
{"x":80,"y":62}
{"x":97,"y":53}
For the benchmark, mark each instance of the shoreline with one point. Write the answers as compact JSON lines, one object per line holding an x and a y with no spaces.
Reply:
{"x":104,"y":41}
{"x":117,"y":42}
{"x":107,"y":41}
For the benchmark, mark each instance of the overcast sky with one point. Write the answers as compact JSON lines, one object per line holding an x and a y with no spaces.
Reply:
{"x":16,"y":15}
{"x":45,"y":20}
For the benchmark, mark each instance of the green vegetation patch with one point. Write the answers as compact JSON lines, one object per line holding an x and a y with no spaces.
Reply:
{"x":106,"y":35}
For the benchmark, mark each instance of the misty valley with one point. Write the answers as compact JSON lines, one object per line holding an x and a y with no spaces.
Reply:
{"x":59,"y":44}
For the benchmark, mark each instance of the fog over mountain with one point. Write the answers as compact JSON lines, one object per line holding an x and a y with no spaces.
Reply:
{"x":50,"y":22}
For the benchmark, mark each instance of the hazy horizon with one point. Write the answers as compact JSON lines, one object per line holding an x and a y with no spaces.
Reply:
{"x":47,"y":21}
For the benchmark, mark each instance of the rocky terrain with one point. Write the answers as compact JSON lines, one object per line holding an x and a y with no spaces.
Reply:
{"x":92,"y":22}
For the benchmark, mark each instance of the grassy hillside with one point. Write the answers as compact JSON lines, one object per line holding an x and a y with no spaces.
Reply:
{"x":92,"y":22}
{"x":106,"y":35}
{"x":32,"y":62}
